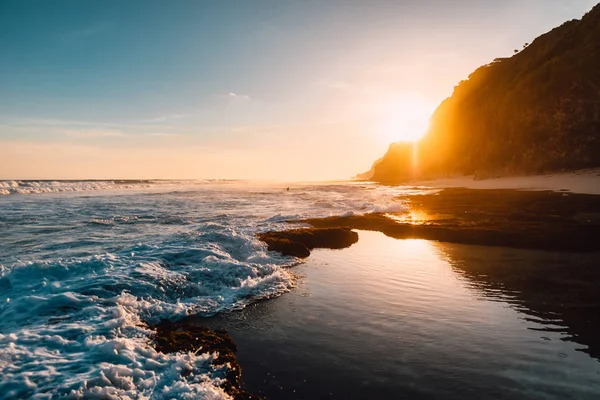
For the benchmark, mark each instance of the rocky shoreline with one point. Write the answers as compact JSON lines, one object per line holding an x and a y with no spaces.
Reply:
{"x":502,"y":218}
{"x":186,"y":336}
{"x":542,"y":220}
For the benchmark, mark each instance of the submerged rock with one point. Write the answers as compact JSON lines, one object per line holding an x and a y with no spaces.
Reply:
{"x":299,"y":242}
{"x":171,"y":337}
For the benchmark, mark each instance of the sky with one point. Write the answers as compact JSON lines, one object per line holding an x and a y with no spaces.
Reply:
{"x":247,"y":89}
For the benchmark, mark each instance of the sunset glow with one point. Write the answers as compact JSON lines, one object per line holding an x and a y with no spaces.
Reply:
{"x":406,"y":119}
{"x":376,"y":199}
{"x":86,"y":96}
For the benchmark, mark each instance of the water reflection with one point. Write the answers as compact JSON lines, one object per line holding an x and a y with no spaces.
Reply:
{"x":412,"y":216}
{"x":391,"y":318}
{"x":556,"y":291}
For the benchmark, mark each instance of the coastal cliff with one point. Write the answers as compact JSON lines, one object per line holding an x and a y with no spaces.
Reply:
{"x":535,"y":112}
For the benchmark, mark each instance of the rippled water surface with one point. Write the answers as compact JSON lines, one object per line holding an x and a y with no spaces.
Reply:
{"x":408,"y":319}
{"x":85,"y":266}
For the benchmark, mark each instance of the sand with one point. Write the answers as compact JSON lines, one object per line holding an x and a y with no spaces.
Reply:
{"x":583,"y":181}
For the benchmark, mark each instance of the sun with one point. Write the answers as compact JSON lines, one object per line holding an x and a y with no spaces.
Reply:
{"x":405,"y":118}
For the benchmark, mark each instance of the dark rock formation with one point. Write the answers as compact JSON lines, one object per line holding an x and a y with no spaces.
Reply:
{"x":537,"y":111}
{"x":520,"y":219}
{"x":173,"y":337}
{"x":299,"y":242}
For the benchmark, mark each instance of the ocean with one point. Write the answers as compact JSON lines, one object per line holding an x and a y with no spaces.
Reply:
{"x":87,"y":266}
{"x":84,"y":265}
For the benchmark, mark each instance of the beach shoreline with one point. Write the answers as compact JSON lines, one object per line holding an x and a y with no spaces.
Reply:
{"x":543,"y":220}
{"x":202,"y":257}
{"x":280,"y":344}
{"x":535,"y":247}
{"x":581,"y":181}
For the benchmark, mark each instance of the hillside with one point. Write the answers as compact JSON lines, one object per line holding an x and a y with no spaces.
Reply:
{"x":537,"y":111}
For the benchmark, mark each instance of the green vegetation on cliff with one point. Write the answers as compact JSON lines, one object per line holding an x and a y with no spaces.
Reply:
{"x":537,"y":111}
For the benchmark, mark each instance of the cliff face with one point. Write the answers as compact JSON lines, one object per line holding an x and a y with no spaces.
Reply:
{"x":396,"y":165}
{"x":538,"y":111}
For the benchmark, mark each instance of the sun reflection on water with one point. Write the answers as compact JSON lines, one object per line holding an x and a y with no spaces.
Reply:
{"x":414,"y":217}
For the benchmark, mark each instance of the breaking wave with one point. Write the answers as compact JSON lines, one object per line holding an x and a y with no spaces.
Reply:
{"x":83,"y":277}
{"x":31,"y":186}
{"x":78,"y":326}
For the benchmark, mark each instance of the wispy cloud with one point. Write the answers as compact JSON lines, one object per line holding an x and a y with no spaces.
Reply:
{"x":64,"y":125}
{"x":165,"y":135}
{"x":233,"y":95}
{"x":256,"y":128}
{"x":92,"y":133}
{"x":21,"y":121}
{"x":165,"y":118}
{"x":105,"y":133}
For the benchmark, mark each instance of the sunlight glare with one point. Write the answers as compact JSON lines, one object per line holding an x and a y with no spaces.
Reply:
{"x":406,"y":119}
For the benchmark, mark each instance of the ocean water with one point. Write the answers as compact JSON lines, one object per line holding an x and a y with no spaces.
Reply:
{"x":86,"y":265}
{"x":412,"y":319}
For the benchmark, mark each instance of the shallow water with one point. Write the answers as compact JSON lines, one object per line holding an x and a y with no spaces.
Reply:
{"x":83,"y":265}
{"x":393,"y":318}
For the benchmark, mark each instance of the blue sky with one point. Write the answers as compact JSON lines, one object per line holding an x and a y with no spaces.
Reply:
{"x":139,"y":89}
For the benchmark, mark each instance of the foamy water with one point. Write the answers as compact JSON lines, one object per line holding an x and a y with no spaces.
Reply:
{"x":85,"y":266}
{"x":47,"y":186}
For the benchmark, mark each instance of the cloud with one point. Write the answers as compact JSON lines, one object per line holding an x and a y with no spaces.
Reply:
{"x":232,"y":99}
{"x":164,"y":118}
{"x":20,"y":121}
{"x":83,"y":129}
{"x":165,"y":135}
{"x":233,"y":95}
{"x":106,"y":133}
{"x":256,"y":128}
{"x":92,"y":133}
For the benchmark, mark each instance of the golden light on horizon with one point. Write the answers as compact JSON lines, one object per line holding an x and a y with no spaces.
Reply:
{"x":406,"y":119}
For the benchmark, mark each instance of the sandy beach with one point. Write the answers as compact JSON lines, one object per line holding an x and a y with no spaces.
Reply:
{"x":583,"y":181}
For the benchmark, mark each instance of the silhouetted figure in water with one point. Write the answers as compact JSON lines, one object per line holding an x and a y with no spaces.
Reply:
{"x":288,"y":189}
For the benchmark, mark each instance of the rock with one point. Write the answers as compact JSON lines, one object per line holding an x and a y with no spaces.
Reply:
{"x":540,"y":220}
{"x":173,"y":337}
{"x":299,"y":242}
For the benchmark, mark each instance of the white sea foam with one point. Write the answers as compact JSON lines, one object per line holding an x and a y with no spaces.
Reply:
{"x":29,"y":187}
{"x":107,"y":357}
{"x":81,"y":277}
{"x":78,"y":326}
{"x":39,"y":187}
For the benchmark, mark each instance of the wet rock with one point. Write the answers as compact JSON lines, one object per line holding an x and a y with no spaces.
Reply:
{"x":171,"y":337}
{"x":512,"y":218}
{"x":299,"y":242}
